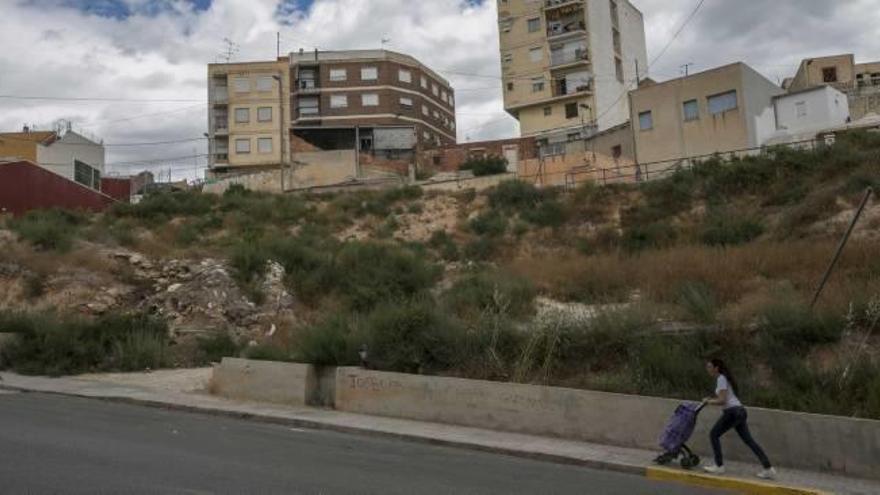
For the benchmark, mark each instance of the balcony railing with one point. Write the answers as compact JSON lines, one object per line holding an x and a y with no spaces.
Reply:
{"x":552,"y":4}
{"x":562,"y":57}
{"x":563,"y":88}
{"x":561,"y":28}
{"x":309,"y":112}
{"x":307,"y":84}
{"x":221,"y":95}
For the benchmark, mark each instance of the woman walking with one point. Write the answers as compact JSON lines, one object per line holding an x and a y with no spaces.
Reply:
{"x":734,"y":416}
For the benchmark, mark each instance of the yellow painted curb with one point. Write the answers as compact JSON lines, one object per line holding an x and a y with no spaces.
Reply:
{"x":738,"y":485}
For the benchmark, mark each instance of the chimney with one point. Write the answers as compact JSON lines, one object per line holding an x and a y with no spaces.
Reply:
{"x":26,"y":129}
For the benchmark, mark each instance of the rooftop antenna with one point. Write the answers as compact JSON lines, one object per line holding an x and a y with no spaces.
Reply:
{"x":230,"y":50}
{"x":686,"y":68}
{"x":385,"y":41}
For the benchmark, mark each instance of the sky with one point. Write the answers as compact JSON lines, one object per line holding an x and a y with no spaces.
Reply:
{"x":146,"y":59}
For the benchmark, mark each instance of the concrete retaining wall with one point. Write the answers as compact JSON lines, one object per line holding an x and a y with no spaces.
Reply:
{"x":265,"y":381}
{"x":476,"y":183}
{"x":805,"y":441}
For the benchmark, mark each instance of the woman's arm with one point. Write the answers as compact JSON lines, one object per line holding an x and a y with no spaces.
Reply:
{"x":718,"y":400}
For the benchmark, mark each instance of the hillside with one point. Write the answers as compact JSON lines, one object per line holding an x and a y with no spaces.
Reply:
{"x":623,"y":288}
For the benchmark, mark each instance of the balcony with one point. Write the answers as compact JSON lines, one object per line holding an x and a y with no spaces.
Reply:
{"x":569,"y":57}
{"x":567,"y":87}
{"x":221,"y":95}
{"x":308,"y":113}
{"x":558,"y":4}
{"x":221,"y":158}
{"x":307,"y":85}
{"x":566,"y":28}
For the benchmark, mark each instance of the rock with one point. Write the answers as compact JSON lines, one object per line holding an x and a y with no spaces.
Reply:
{"x":174,"y":288}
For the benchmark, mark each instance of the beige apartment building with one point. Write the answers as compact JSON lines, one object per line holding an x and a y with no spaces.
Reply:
{"x":861,"y":82}
{"x":248,"y":115}
{"x":568,"y":64}
{"x":720,"y":110}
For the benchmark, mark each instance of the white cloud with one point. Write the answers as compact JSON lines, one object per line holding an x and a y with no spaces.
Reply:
{"x":61,"y":52}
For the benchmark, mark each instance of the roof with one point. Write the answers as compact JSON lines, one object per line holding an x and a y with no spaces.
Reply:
{"x":821,"y":87}
{"x":348,"y":55}
{"x":42,"y":137}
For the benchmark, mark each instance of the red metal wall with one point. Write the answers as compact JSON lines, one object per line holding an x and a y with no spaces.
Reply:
{"x":117,"y":187}
{"x":25,"y":186}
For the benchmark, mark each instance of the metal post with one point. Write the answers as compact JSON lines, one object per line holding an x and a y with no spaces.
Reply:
{"x":840,"y":248}
{"x":280,"y":79}
{"x":357,"y":152}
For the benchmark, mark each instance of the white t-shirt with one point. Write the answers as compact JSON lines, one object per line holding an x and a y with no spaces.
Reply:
{"x":732,"y":399}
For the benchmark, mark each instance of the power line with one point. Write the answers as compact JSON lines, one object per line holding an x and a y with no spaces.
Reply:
{"x":111,"y":145}
{"x":128,"y":100}
{"x":677,"y":33}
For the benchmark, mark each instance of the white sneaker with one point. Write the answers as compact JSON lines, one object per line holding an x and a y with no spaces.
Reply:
{"x":714,"y":469}
{"x":767,"y":474}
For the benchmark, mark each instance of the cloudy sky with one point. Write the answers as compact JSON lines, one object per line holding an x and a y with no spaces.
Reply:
{"x":139,"y":65}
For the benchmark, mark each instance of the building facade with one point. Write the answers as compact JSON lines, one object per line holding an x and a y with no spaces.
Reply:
{"x":67,"y":153}
{"x":800,"y":115}
{"x":720,"y":110}
{"x":860,"y":81}
{"x":376,"y":104}
{"x":248,"y":115}
{"x":568,"y":64}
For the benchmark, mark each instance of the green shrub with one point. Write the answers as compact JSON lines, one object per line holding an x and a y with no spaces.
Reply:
{"x":668,"y":366}
{"x":371,"y":273}
{"x":516,"y":195}
{"x":789,"y":325}
{"x":490,"y":165}
{"x":493,"y":292}
{"x":34,"y":285}
{"x":50,"y":345}
{"x":724,"y":228}
{"x":162,"y":206}
{"x":48,"y":229}
{"x":548,"y":213}
{"x":481,"y":249}
{"x":699,"y":302}
{"x":331,"y":342}
{"x":652,"y":235}
{"x":308,"y":262}
{"x":215,"y":347}
{"x":444,"y":245}
{"x":490,"y":223}
{"x":249,"y":261}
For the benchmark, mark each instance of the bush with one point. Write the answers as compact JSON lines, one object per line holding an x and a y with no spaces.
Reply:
{"x":331,"y":342}
{"x":722,"y":228}
{"x":652,"y":235}
{"x":699,"y":302}
{"x":788,"y":325}
{"x":249,"y":261}
{"x":213,"y":348}
{"x":370,"y":273}
{"x":160,"y":207}
{"x":491,"y":165}
{"x":490,"y":223}
{"x":549,"y":213}
{"x":445,"y":245}
{"x":515,"y":195}
{"x":48,"y":229}
{"x":493,"y":292}
{"x":50,"y":345}
{"x":481,"y":249}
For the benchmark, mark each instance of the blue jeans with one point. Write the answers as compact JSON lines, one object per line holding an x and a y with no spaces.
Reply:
{"x":735,"y":417}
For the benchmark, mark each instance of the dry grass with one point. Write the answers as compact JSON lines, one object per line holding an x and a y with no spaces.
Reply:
{"x":731,"y":273}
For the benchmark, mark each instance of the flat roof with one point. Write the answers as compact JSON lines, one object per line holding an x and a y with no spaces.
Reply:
{"x":346,"y":55}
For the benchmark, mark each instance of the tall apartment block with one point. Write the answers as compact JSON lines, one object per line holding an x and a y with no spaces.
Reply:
{"x":567,"y":65}
{"x":383,"y":104}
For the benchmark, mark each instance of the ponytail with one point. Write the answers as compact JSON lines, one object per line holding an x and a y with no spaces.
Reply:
{"x":724,"y":370}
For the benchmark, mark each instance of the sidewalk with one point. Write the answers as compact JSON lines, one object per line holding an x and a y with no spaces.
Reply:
{"x":184,"y":390}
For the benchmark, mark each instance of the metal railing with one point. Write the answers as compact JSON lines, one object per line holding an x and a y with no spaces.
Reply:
{"x":562,"y":28}
{"x":568,"y":57}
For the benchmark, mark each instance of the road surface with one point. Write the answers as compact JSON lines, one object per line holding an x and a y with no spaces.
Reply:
{"x":53,"y":444}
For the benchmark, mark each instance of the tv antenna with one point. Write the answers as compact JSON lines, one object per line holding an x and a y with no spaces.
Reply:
{"x":686,"y":68}
{"x":385,"y":41}
{"x":230,"y":50}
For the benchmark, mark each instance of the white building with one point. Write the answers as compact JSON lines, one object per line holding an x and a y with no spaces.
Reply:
{"x":75,"y":157}
{"x":801,"y":115}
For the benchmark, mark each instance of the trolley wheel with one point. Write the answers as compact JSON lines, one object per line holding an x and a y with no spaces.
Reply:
{"x":664,"y":459}
{"x":690,"y":461}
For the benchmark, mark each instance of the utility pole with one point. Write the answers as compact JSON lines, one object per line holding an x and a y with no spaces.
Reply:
{"x":280,"y":79}
{"x":632,"y":123}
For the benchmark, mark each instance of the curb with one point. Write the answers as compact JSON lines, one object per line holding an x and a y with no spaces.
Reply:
{"x":739,"y":485}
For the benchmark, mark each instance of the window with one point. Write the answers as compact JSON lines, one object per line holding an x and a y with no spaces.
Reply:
{"x":691,"y":110}
{"x":443,"y":96}
{"x":338,"y":101}
{"x":369,"y":73}
{"x":646,"y":121}
{"x":436,"y":114}
{"x":507,"y":58}
{"x":242,"y":85}
{"x":242,"y":115}
{"x":242,"y":146}
{"x":406,"y":102}
{"x":573,"y":136}
{"x":510,"y":86}
{"x":801,"y":108}
{"x":370,"y":100}
{"x":404,"y":75}
{"x":264,"y":83}
{"x":435,"y":89}
{"x":534,"y":24}
{"x":264,"y":114}
{"x":548,"y":111}
{"x":451,"y":99}
{"x":616,"y":151}
{"x":425,"y":110}
{"x":309,"y":106}
{"x":618,"y":69}
{"x":338,"y":74}
{"x":264,"y":145}
{"x":829,"y":74}
{"x":536,"y":54}
{"x":537,"y":85}
{"x":424,"y":82}
{"x":722,"y":103}
{"x":571,"y":110}
{"x":86,"y":175}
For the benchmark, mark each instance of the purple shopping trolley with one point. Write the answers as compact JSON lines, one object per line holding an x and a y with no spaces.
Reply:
{"x":677,"y":432}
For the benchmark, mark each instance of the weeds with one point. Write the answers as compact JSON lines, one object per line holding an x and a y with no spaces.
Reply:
{"x":50,"y":230}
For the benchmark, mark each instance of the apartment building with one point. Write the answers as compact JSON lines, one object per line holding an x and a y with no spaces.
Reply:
{"x":719,"y":110}
{"x":860,"y":81}
{"x":381,"y":100}
{"x":248,"y":116}
{"x":568,"y":64}
{"x":375,"y":103}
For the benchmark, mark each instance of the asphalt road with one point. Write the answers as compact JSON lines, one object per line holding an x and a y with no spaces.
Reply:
{"x":52,"y":444}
